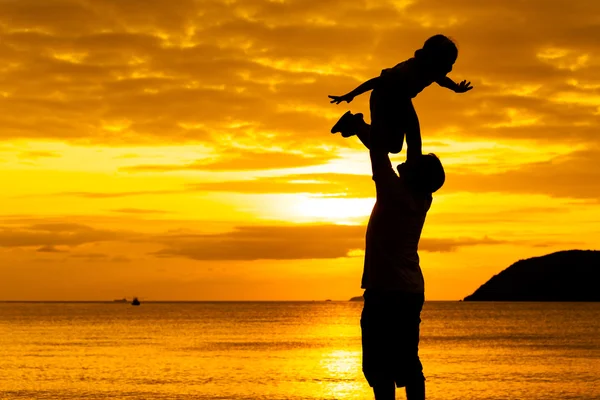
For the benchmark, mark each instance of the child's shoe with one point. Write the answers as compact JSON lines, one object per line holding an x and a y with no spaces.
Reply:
{"x":344,"y":125}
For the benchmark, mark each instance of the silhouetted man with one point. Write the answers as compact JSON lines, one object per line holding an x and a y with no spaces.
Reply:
{"x":392,"y":277}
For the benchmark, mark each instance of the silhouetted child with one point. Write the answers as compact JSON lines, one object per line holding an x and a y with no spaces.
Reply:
{"x":392,"y":112}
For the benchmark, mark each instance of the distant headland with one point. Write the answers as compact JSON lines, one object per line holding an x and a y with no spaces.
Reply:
{"x":572,"y":275}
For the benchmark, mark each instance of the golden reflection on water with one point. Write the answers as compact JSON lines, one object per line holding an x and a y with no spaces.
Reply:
{"x":293,"y":351}
{"x":341,"y":362}
{"x":342,"y":366}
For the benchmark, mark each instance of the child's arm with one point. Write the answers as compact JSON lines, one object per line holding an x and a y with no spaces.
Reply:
{"x":462,"y":87}
{"x":348,"y":97}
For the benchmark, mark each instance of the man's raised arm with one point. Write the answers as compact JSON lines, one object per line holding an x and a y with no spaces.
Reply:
{"x":380,"y":160}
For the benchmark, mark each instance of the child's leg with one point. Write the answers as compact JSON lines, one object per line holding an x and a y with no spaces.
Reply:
{"x":393,"y":137}
{"x":404,"y":122}
{"x":344,"y":125}
{"x":387,"y":115}
{"x":363,"y":131}
{"x":354,"y":124}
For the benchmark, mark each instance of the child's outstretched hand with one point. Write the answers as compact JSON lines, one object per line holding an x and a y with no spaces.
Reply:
{"x":463,"y":87}
{"x":338,"y":99}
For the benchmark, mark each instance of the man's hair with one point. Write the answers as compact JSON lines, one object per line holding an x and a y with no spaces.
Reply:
{"x":426,"y":175}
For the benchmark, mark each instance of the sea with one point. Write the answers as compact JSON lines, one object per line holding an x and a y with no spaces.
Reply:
{"x":290,"y":350}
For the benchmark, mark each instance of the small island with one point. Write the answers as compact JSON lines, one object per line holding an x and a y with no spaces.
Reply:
{"x":357,"y":298}
{"x":572,"y":275}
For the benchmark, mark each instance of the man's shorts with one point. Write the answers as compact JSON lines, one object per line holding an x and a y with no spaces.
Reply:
{"x":390,"y":337}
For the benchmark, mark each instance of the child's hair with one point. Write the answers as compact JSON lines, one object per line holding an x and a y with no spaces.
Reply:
{"x":426,"y":175}
{"x":438,"y":47}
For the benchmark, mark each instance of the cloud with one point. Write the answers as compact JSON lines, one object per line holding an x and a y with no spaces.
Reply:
{"x":49,"y":235}
{"x":107,"y":72}
{"x":120,"y":259}
{"x":38,"y":154}
{"x":567,"y":176}
{"x":486,"y":217}
{"x":448,"y":245}
{"x":346,"y":185}
{"x":288,"y":243}
{"x":248,"y":160}
{"x":90,"y":256}
{"x":94,"y":257}
{"x":139,"y":211}
{"x":106,"y":195}
{"x":570,"y":176}
{"x":49,"y":249}
{"x":241,"y":243}
{"x":277,"y":243}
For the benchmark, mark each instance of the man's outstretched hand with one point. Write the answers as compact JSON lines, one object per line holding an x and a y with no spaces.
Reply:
{"x":463,"y":87}
{"x":338,"y":99}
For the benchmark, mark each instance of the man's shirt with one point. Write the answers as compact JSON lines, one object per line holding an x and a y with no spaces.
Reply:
{"x":393,"y":232}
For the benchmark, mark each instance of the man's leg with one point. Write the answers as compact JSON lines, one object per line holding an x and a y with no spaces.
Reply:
{"x":375,"y":346}
{"x":385,"y":391}
{"x":415,"y":386}
{"x":415,"y":390}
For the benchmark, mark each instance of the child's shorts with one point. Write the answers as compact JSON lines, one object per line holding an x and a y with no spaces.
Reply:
{"x":392,"y":118}
{"x":390,"y":337}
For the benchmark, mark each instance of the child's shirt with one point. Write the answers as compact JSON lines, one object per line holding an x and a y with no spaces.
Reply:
{"x":404,"y":80}
{"x":391,"y":99}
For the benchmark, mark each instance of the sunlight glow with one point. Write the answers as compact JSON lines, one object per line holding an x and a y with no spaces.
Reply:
{"x":516,"y":89}
{"x":516,"y":118}
{"x":116,"y":126}
{"x":290,"y":66}
{"x":342,"y":366}
{"x":581,"y":85}
{"x":577,"y":98}
{"x":342,"y":361}
{"x":333,"y":209}
{"x":564,"y":58}
{"x":74,"y":58}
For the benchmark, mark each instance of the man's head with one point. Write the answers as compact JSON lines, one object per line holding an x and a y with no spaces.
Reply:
{"x":426,"y":175}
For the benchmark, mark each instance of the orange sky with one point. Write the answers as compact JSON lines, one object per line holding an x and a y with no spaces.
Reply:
{"x":180,"y":150}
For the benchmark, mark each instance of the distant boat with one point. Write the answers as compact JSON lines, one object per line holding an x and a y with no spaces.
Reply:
{"x":328,"y":300}
{"x":135,"y":302}
{"x":123,"y":300}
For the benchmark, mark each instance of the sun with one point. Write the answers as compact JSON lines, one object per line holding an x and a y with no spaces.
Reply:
{"x":340,"y":210}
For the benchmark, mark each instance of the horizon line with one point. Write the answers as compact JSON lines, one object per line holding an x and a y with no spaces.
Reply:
{"x":183,"y":301}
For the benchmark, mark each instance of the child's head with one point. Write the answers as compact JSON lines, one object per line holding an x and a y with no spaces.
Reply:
{"x":439,"y":53}
{"x":426,"y":175}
